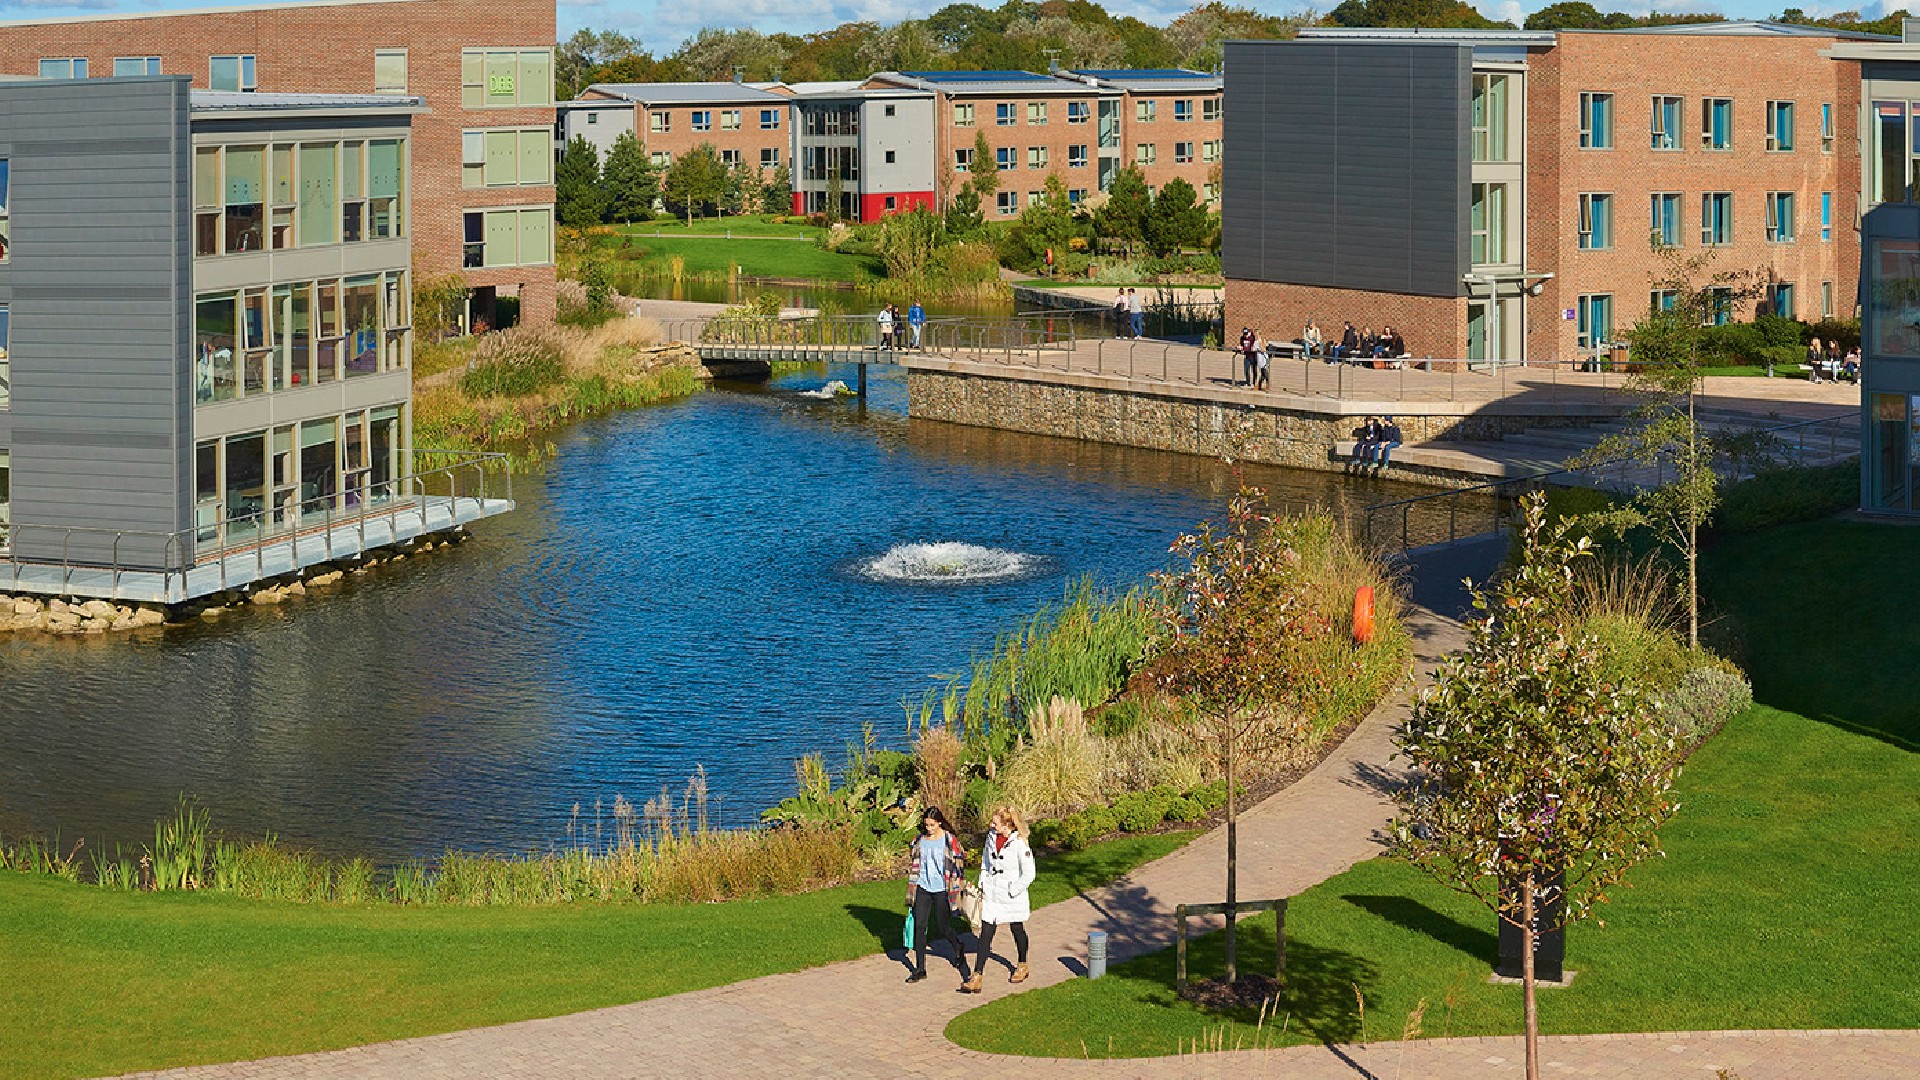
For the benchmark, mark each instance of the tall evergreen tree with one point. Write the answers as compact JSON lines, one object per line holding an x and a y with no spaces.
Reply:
{"x":629,"y":181}
{"x":579,"y":199}
{"x":696,"y":180}
{"x":986,"y":171}
{"x":777,"y":198}
{"x":1124,"y":216}
{"x":1177,"y":220}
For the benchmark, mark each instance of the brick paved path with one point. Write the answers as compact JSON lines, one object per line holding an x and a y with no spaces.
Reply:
{"x":857,"y":1019}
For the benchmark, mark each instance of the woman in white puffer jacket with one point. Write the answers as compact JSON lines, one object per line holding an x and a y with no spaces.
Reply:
{"x":1006,"y":871}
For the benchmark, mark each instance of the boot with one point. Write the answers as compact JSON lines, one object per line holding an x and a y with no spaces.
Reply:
{"x":971,"y":986}
{"x":1019,"y":974}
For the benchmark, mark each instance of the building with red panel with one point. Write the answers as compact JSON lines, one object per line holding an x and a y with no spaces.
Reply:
{"x":862,"y":150}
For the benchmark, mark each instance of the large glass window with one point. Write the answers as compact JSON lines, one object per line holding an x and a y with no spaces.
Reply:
{"x":245,"y":206}
{"x":1716,"y":123}
{"x":234,"y":73}
{"x":1891,"y":326}
{"x":1596,"y":222}
{"x":319,"y":204}
{"x":1490,"y":117}
{"x":6,"y":499}
{"x":64,"y":68}
{"x":5,"y":232}
{"x":1596,"y":121}
{"x":1146,"y":111}
{"x":1716,"y":218}
{"x":1489,"y":224}
{"x":124,"y":66}
{"x":1666,"y":123}
{"x":1780,"y":223}
{"x":386,"y":189}
{"x":6,"y":365}
{"x":1078,"y":112}
{"x":283,"y":194}
{"x":216,"y":342}
{"x":319,"y":470}
{"x":389,"y":71}
{"x":502,"y":78}
{"x":1595,"y":313}
{"x":1780,"y":125}
{"x":1889,"y":165}
{"x":507,"y":157}
{"x":1666,"y":218}
{"x":244,"y":486}
{"x":1004,"y":114}
{"x":361,"y":309}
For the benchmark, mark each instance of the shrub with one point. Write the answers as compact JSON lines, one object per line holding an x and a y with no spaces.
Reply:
{"x":1629,"y":650}
{"x":983,"y":797}
{"x":513,"y":363}
{"x":1783,"y":496}
{"x":1186,"y":808}
{"x":1061,"y":767}
{"x":937,"y":766}
{"x":1705,"y":699}
{"x":1143,"y":811}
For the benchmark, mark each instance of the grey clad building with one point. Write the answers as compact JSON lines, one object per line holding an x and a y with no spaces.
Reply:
{"x":205,"y":336}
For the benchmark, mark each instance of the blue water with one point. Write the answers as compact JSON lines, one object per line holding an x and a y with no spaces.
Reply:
{"x":685,"y":586}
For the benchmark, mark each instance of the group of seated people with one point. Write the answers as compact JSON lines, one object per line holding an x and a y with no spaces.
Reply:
{"x":1354,"y":345}
{"x":1374,"y":443}
{"x":1825,"y":362}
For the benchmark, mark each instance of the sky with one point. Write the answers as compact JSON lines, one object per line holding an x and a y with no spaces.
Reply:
{"x":661,"y":25}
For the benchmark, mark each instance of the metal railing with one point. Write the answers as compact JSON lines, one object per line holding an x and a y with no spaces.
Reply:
{"x":1024,"y":340}
{"x":315,"y":521}
{"x":1447,"y":517}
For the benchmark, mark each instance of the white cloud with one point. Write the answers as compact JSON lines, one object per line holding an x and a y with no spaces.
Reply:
{"x":1506,"y":10}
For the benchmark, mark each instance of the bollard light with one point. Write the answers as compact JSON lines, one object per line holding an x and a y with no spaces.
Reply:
{"x":1096,"y":953}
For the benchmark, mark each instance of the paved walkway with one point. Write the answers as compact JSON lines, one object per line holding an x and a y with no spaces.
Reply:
{"x":857,"y":1019}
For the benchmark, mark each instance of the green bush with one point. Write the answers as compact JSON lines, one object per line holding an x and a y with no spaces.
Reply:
{"x":1185,"y":808}
{"x":1783,"y":496}
{"x":1211,"y":796}
{"x":1143,"y":811}
{"x":513,"y":363}
{"x":982,"y":798}
{"x":1631,"y":650}
{"x":1705,"y":699}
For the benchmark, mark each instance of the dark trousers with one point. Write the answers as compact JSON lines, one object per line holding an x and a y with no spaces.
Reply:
{"x":928,"y":906}
{"x":1247,"y":366}
{"x":986,"y":941}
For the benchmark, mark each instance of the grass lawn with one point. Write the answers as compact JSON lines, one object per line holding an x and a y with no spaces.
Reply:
{"x":756,"y":258}
{"x":105,"y":982}
{"x":1759,"y":371}
{"x":1786,"y":900}
{"x":752,"y":225}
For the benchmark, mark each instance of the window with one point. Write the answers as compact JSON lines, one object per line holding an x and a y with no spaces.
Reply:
{"x":660,"y":159}
{"x":234,"y":73}
{"x":1076,"y":195}
{"x":389,"y":71}
{"x":729,"y":119}
{"x":1889,"y":180}
{"x":229,"y":195}
{"x":1826,"y":299}
{"x":1716,"y":123}
{"x":1036,"y":112}
{"x":830,"y":120}
{"x":1666,"y":123}
{"x":6,"y":462}
{"x":1780,"y":125}
{"x":889,"y":157}
{"x":6,"y":233}
{"x":700,"y":120}
{"x":963,"y":159}
{"x":6,"y":395}
{"x":659,"y":122}
{"x":1487,"y":225}
{"x":1664,"y":219}
{"x":1182,"y":153}
{"x":593,"y":118}
{"x":1780,"y":228}
{"x":769,"y":157}
{"x":506,"y":157}
{"x":515,"y":236}
{"x":769,"y":119}
{"x":1826,"y":216}
{"x":1004,"y":115}
{"x":1211,"y":191}
{"x":1596,"y":121}
{"x":1596,"y":222}
{"x":1210,"y":109}
{"x":1145,"y":153}
{"x":501,"y":78}
{"x":892,"y":202}
{"x":64,"y":68}
{"x":963,"y":116}
{"x":1077,"y":156}
{"x":1663,"y":299}
{"x":1718,"y":307}
{"x":1036,"y":157}
{"x":1489,"y":109}
{"x":1780,"y":299}
{"x":1007,"y":202}
{"x":1716,"y":218}
{"x":730,"y":158}
{"x":1005,"y":158}
{"x":1211,"y":149}
{"x":1036,"y":198}
{"x":1595,"y":312}
{"x":1147,"y":111}
{"x":1826,"y":129}
{"x":1182,"y":110}
{"x":317,"y":200}
{"x":124,"y":66}
{"x":1078,"y":112}
{"x":887,"y":110}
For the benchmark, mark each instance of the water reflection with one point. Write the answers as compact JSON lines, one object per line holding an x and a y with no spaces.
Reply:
{"x":671,"y":594}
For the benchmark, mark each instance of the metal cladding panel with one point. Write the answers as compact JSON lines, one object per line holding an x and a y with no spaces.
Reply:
{"x":1348,"y":165}
{"x":101,"y":297}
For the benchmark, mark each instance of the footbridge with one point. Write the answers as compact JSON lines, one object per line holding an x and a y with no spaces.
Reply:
{"x":1030,"y":341}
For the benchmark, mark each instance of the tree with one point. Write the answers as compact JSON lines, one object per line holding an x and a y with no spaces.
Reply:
{"x":1436,"y":14}
{"x":1229,"y":604}
{"x":986,"y":170}
{"x":1529,"y":773}
{"x":1046,"y":224}
{"x":964,"y":218}
{"x":629,"y":181}
{"x":1670,"y":349}
{"x":777,"y":196}
{"x":1124,"y":215}
{"x":720,"y":54}
{"x":696,"y":180}
{"x":1177,"y":220}
{"x":577,"y":59}
{"x":1196,"y":37}
{"x":909,"y":243}
{"x":578,"y":197}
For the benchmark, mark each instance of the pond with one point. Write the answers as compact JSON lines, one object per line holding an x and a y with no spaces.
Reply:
{"x":723,"y":583}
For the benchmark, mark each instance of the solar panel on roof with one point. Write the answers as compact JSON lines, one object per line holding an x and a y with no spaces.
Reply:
{"x":975,"y":76}
{"x":1140,"y":73}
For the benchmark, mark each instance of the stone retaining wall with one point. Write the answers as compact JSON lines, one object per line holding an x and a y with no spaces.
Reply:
{"x":1270,"y":434}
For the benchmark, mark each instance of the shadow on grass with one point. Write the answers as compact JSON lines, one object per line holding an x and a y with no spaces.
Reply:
{"x":1318,"y":998}
{"x":1409,"y":914}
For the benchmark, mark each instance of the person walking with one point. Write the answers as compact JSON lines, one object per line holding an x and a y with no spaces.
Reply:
{"x":934,"y":883}
{"x":886,"y":326}
{"x":1262,"y":358}
{"x":1136,"y":314}
{"x":1246,"y":354}
{"x":1120,"y":319}
{"x":1006,"y":871}
{"x":917,"y":320}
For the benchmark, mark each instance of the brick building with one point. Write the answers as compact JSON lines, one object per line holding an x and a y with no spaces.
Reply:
{"x":746,"y":123}
{"x":482,"y":160}
{"x":1512,"y":179}
{"x":1170,"y":123}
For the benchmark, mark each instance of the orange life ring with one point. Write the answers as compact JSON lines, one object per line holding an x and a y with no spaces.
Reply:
{"x":1363,"y":614}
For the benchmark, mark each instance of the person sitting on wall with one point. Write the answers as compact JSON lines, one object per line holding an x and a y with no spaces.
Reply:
{"x":1850,"y":367}
{"x":1311,"y":343}
{"x":1384,"y":445}
{"x":1364,"y":438}
{"x":1349,"y":345}
{"x":1396,"y":345}
{"x":1372,"y":346}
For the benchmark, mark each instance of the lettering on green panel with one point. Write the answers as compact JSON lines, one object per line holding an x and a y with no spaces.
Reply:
{"x":499,"y":84}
